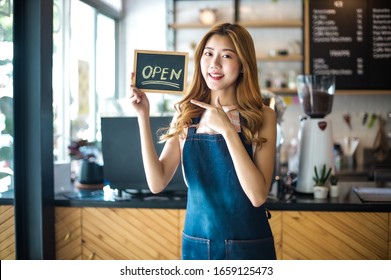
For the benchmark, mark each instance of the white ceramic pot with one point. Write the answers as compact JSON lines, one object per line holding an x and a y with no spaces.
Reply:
{"x":321,"y":192}
{"x":334,"y":191}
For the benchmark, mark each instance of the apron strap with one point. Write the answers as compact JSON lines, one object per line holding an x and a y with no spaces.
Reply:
{"x":193,"y":128}
{"x":268,"y":214}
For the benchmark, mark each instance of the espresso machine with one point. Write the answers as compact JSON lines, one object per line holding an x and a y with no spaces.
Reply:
{"x":316,"y":93}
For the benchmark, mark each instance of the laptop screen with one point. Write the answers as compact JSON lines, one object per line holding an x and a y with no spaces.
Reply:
{"x":121,"y":149}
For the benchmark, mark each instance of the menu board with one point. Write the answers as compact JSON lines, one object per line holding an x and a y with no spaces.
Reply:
{"x":351,"y":40}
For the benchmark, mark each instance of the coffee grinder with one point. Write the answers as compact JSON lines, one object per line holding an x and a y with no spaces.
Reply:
{"x":316,"y":93}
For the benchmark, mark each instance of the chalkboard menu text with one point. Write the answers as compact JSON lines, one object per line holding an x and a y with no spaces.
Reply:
{"x":351,"y":40}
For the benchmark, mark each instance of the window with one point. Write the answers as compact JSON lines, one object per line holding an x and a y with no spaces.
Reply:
{"x":84,"y":72}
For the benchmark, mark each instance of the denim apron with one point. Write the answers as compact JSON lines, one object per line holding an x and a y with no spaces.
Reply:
{"x":221,"y":223}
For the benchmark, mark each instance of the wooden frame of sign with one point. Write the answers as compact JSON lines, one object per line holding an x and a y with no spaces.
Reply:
{"x":160,"y":71}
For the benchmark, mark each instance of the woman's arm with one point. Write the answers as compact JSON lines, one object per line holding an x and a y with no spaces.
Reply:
{"x":255,"y":176}
{"x":158,"y":171}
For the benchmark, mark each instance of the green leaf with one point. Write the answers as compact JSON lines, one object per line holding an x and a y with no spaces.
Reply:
{"x":316,"y":173}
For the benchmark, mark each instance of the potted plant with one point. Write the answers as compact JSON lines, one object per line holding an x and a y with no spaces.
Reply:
{"x":334,"y":189}
{"x":320,"y":179}
{"x":334,"y":180}
{"x":85,"y":169}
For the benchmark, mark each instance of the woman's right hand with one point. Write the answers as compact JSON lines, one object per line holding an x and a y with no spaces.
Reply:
{"x":139,"y":100}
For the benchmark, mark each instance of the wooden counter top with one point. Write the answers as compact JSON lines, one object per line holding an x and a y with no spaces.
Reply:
{"x":347,"y":201}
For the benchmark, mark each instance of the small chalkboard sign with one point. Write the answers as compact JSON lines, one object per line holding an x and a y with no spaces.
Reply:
{"x":160,"y":71}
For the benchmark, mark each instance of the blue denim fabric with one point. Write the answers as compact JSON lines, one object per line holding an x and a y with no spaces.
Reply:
{"x":221,"y":223}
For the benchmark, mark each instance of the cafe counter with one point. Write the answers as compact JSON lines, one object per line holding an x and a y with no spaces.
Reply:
{"x":150,"y":226}
{"x":98,"y":224}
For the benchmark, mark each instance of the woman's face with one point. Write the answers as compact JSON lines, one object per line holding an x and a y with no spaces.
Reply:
{"x":220,"y":64}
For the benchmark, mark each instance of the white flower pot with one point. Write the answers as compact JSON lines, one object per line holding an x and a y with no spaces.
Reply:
{"x":334,"y":191}
{"x":321,"y":192}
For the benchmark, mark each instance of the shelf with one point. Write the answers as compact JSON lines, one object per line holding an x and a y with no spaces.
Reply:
{"x":278,"y":58}
{"x":280,"y":29}
{"x":361,"y":92}
{"x":291,"y":92}
{"x":263,"y":23}
{"x":189,"y":25}
{"x":282,"y":58}
{"x":275,"y":23}
{"x":282,"y":91}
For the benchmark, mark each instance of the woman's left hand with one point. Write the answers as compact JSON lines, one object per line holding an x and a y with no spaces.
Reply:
{"x":215,"y":117}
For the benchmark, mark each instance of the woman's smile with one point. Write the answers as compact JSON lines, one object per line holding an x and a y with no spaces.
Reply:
{"x":216,"y":76}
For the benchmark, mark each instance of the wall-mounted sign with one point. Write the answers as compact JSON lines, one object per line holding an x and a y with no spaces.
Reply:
{"x":158,"y":71}
{"x":351,"y":40}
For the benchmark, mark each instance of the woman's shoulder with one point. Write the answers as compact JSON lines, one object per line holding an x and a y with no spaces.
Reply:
{"x":268,"y":112}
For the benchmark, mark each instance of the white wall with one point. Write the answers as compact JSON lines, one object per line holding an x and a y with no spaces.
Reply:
{"x":145,"y":29}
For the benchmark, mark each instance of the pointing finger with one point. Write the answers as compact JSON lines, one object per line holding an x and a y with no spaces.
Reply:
{"x":217,"y":102}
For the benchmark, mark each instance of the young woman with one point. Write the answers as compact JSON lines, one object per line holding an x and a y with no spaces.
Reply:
{"x":226,"y":139}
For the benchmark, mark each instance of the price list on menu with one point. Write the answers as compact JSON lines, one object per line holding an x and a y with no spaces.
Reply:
{"x":352,"y":40}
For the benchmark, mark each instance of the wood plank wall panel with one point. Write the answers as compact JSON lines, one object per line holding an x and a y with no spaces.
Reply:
{"x":68,"y":233}
{"x":182,"y":216}
{"x":130,"y":233}
{"x":335,"y":235}
{"x":389,"y":236}
{"x":276,"y":226}
{"x":7,"y":233}
{"x":110,"y":233}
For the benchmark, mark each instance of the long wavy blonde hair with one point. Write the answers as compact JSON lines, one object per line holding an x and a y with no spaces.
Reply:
{"x":248,"y":93}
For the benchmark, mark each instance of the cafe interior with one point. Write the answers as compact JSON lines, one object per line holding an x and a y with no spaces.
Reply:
{"x":69,"y":134}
